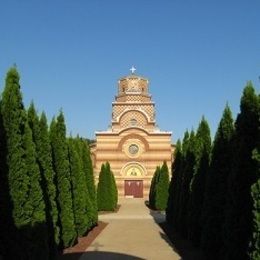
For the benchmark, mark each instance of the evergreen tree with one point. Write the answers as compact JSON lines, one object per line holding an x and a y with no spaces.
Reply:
{"x":162,"y":187}
{"x":189,"y":161}
{"x":7,"y":228}
{"x":13,"y":116}
{"x":22,"y":176}
{"x":203,"y":146}
{"x":255,"y":192}
{"x":114,"y":190}
{"x":102,"y":189}
{"x":238,"y":224}
{"x":255,"y":253}
{"x":36,"y":232}
{"x":89,"y":175}
{"x":105,"y":190}
{"x":216,"y":187}
{"x":174,"y":188}
{"x":44,"y":152}
{"x":61,"y":167}
{"x":112,"y":184}
{"x":179,"y":184}
{"x":153,"y":187}
{"x":44,"y":158}
{"x":79,"y":190}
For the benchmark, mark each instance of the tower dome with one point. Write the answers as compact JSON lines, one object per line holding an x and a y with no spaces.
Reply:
{"x":133,"y":84}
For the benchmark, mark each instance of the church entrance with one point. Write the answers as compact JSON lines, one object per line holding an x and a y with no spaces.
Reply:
{"x":134,"y":188}
{"x":133,"y":174}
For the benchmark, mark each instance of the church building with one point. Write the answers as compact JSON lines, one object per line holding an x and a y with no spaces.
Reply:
{"x":133,"y":145}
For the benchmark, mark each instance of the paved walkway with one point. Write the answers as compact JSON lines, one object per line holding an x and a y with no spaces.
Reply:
{"x":132,"y":233}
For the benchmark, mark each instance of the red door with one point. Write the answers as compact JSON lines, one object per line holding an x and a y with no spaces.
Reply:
{"x":134,"y":188}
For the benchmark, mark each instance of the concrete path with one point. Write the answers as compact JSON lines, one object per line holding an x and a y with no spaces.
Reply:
{"x":132,"y":233}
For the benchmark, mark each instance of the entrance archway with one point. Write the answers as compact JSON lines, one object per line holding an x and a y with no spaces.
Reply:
{"x":133,"y":183}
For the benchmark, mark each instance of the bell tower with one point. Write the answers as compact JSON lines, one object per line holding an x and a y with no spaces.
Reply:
{"x":133,"y":106}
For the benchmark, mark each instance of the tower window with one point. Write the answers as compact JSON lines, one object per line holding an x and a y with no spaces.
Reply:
{"x":133,"y":122}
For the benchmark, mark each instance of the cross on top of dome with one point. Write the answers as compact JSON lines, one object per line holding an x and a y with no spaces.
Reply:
{"x":133,"y":69}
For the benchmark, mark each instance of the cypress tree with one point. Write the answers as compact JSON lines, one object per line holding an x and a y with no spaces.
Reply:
{"x":153,"y":188}
{"x":102,"y":189}
{"x":216,"y":187}
{"x":36,"y":232}
{"x":254,"y":247}
{"x":89,"y":175}
{"x":105,"y":190}
{"x":179,"y":184}
{"x":255,"y":193}
{"x":46,"y":165}
{"x":162,"y":187}
{"x":189,"y":162}
{"x":238,"y":224}
{"x":79,"y":190}
{"x":114,"y":190}
{"x":23,"y":176}
{"x":203,"y":144}
{"x":7,"y":228}
{"x":113,"y":187}
{"x":13,"y":116}
{"x":61,"y":167}
{"x":44,"y":158}
{"x":174,"y":190}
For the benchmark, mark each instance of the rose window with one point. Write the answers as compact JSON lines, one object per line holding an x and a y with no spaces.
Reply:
{"x":133,"y":149}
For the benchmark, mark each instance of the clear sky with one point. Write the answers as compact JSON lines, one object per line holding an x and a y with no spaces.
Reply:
{"x":198,"y":55}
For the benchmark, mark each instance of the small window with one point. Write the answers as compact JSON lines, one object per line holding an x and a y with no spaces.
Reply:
{"x":133,"y":122}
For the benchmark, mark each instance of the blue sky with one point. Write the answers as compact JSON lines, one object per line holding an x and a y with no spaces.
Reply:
{"x":198,"y":55}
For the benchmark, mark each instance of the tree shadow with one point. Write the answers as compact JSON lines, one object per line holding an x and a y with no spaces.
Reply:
{"x":179,"y":245}
{"x":182,"y":246}
{"x":25,"y":243}
{"x":99,"y":255}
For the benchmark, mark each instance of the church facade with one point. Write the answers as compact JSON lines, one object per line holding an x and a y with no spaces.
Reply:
{"x":133,"y":145}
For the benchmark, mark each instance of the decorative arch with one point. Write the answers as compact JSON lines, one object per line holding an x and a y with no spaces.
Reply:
{"x":133,"y":136}
{"x":132,"y":110}
{"x":136,"y":168}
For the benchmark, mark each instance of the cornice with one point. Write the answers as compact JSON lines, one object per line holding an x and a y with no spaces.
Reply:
{"x":132,"y":103}
{"x":165,"y":133}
